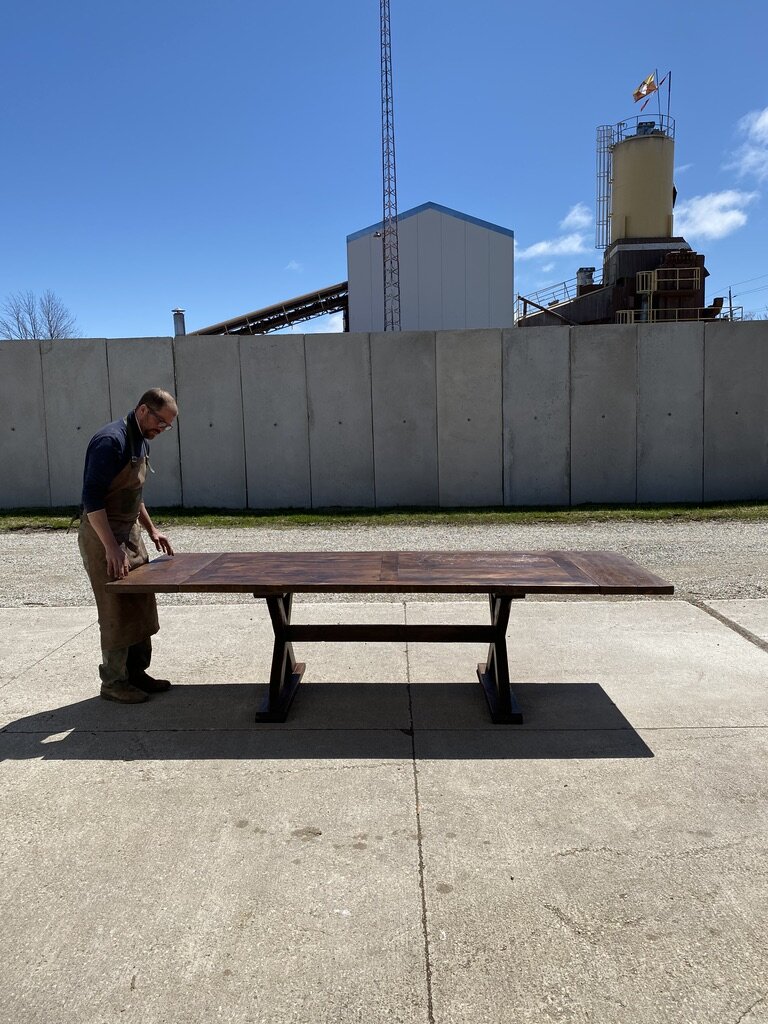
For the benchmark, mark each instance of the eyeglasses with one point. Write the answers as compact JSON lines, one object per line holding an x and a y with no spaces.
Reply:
{"x":161,"y":423}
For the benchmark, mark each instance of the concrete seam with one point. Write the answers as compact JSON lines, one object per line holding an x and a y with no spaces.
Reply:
{"x":437,"y":420}
{"x":309,"y":432}
{"x":28,"y":668}
{"x":109,"y":382}
{"x":420,"y":837}
{"x":242,"y":415}
{"x":178,"y":432}
{"x":45,"y":424}
{"x":503,"y":431}
{"x":703,"y":405}
{"x":637,"y":402}
{"x":570,"y":417}
{"x":746,"y":634}
{"x":373,"y":432}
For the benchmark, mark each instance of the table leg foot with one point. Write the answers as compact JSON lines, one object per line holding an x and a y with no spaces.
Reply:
{"x":278,"y":712}
{"x":506,"y":716}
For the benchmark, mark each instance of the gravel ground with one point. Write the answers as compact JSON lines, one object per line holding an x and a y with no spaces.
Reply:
{"x":716,"y":560}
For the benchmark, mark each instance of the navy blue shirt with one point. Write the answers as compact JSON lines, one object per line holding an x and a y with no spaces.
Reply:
{"x":109,"y":451}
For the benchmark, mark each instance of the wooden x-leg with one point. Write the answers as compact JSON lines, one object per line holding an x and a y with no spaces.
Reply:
{"x":494,"y":674}
{"x":285,"y":674}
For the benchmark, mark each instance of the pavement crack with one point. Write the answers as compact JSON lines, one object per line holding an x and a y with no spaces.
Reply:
{"x":419,"y":838}
{"x":28,"y":668}
{"x":749,"y":1009}
{"x":570,"y":924}
{"x":746,"y":634}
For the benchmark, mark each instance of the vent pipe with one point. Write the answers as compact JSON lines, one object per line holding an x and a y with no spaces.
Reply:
{"x":179,"y":327}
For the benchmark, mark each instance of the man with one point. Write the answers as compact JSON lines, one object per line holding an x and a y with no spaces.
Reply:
{"x":111,"y":544}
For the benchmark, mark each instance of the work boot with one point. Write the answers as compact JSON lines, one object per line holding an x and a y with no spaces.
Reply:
{"x":147,"y":684}
{"x":123,"y":692}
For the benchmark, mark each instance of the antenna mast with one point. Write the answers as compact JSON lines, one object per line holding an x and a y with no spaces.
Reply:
{"x":389,"y":240}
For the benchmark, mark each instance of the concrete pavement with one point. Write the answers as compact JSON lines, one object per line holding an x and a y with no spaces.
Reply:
{"x":390,"y":855}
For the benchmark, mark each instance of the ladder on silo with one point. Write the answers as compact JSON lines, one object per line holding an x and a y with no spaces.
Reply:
{"x":605,"y":142}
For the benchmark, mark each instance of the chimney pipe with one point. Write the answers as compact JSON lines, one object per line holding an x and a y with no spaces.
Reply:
{"x":179,"y":327}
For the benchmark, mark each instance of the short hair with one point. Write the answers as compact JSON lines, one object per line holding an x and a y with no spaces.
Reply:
{"x":157,"y":399}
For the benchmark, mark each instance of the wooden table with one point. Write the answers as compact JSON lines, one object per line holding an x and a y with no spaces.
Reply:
{"x":503,"y":575}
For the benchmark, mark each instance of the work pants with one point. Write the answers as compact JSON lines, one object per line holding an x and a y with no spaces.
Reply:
{"x":125,"y":663}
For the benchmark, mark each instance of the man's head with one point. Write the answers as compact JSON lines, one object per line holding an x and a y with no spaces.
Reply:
{"x":155,"y":412}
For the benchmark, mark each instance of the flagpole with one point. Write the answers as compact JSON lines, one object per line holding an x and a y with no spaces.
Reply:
{"x":658,"y":98}
{"x":669,"y":92}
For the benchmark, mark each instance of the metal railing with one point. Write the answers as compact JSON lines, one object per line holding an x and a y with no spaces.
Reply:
{"x":552,"y":295}
{"x":672,"y":316}
{"x":668,"y":279}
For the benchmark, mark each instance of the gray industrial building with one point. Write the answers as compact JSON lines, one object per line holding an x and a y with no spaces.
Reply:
{"x":455,"y":272}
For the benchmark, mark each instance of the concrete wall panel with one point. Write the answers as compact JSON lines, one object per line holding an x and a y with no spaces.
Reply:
{"x":23,"y":448}
{"x":404,"y":418}
{"x":276,"y":427}
{"x":735,"y":411}
{"x":536,"y":416}
{"x":670,"y":372}
{"x":603,"y":414}
{"x":210,"y":421}
{"x":76,"y":387}
{"x":135,"y":365}
{"x":340,"y":419}
{"x":469,"y":430}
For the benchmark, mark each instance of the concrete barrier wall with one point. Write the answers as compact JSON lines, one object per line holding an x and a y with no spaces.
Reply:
{"x":275,"y":421}
{"x":76,"y":395}
{"x":604,"y":415}
{"x":735,"y":411}
{"x":536,"y":409}
{"x":404,"y":418}
{"x":23,"y":448}
{"x":530,"y":416}
{"x":135,"y":365}
{"x":211,"y":430}
{"x":670,"y":412}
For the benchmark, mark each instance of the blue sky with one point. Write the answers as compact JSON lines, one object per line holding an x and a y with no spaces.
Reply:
{"x":215,"y":156}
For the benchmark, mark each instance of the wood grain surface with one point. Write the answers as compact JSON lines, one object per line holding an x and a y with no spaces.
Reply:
{"x":458,"y":572}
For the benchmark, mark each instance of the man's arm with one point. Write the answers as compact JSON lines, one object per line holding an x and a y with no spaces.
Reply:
{"x":117,"y":559}
{"x":160,"y":541}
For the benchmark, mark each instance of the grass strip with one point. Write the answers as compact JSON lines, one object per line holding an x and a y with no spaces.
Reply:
{"x":30,"y":520}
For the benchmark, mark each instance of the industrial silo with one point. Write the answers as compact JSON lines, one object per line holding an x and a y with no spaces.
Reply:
{"x":641,"y":190}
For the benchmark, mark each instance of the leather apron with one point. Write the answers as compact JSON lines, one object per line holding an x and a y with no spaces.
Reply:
{"x":127,"y":620}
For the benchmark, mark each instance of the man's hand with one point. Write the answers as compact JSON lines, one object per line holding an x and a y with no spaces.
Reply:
{"x":117,"y":562}
{"x":161,"y":542}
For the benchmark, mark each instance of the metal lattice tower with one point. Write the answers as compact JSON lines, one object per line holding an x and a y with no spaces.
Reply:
{"x":389,"y":221}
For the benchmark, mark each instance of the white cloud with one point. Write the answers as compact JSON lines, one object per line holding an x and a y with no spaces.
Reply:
{"x":579,"y":216}
{"x":565,"y":245}
{"x":683,"y":168}
{"x":293,"y":265}
{"x":713,"y":216}
{"x":547,"y":267}
{"x":751,"y":158}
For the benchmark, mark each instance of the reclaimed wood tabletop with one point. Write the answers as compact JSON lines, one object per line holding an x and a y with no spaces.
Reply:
{"x":500,"y":572}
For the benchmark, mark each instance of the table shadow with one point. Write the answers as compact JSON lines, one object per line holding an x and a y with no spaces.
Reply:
{"x":330,"y":720}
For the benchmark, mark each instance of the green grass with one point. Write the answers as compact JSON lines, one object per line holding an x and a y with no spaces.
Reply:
{"x":28,"y":520}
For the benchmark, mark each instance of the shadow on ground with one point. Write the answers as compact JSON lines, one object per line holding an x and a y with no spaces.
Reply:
{"x":331,"y":720}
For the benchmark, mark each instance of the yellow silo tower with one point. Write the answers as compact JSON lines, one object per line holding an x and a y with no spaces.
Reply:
{"x":642,"y":188}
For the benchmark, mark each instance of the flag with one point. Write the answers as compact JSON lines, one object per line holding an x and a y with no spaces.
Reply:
{"x":646,"y":87}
